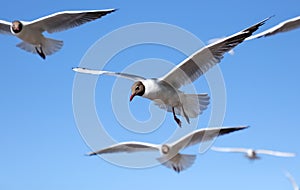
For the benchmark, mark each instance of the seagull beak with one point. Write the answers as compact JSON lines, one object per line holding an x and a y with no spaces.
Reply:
{"x":132,"y":96}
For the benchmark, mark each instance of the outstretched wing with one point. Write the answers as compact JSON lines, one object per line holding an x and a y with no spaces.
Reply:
{"x":202,"y":135}
{"x":5,"y":27}
{"x":127,"y":147}
{"x":200,"y":62}
{"x":223,"y":149}
{"x":276,"y":153}
{"x":99,"y":72}
{"x":67,"y":19}
{"x":285,"y":26}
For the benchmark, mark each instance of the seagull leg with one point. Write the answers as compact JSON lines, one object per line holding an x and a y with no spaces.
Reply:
{"x":184,"y":114}
{"x":176,"y":118}
{"x":40,"y":52}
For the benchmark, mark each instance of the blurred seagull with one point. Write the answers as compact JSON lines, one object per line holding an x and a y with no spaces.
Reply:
{"x":31,"y":32}
{"x":170,"y":156}
{"x":285,"y":26}
{"x":292,"y":180}
{"x":252,"y":154}
{"x":164,"y":91}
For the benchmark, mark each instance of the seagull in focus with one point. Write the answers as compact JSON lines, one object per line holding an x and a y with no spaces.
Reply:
{"x":292,"y":180}
{"x":252,"y":154}
{"x":164,"y":91}
{"x":170,"y":156}
{"x":285,"y":26}
{"x":31,"y":33}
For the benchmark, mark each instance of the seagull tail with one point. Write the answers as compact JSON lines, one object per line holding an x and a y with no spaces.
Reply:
{"x":51,"y":46}
{"x":179,"y":162}
{"x":194,"y":104}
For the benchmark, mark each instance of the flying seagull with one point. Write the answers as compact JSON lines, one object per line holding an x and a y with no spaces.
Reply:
{"x":252,"y":154}
{"x":292,"y":180}
{"x":285,"y":26}
{"x":31,"y":33}
{"x":164,"y":91}
{"x":170,"y":156}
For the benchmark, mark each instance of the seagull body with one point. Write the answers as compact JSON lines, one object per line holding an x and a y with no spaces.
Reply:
{"x":252,"y":154}
{"x":165,"y":90}
{"x":292,"y":180}
{"x":170,"y":156}
{"x":285,"y":26}
{"x":31,"y":33}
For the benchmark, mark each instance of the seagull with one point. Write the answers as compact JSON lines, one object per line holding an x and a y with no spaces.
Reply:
{"x":164,"y":91}
{"x":292,"y":180}
{"x":170,"y":156}
{"x":285,"y":26}
{"x":252,"y":154}
{"x":31,"y":32}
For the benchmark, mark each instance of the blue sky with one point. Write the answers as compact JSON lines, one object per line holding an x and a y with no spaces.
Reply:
{"x":42,"y":147}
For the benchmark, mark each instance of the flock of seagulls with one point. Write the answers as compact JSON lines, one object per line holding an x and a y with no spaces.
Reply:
{"x":164,"y":91}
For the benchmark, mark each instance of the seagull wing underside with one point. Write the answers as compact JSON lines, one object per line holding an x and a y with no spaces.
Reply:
{"x":200,"y":62}
{"x":67,"y":19}
{"x":276,"y":153}
{"x":5,"y":27}
{"x":203,"y":135}
{"x":128,"y":147}
{"x":223,"y":149}
{"x":285,"y":26}
{"x":100,"y":72}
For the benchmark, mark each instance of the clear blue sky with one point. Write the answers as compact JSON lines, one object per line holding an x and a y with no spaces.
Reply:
{"x":41,"y":145}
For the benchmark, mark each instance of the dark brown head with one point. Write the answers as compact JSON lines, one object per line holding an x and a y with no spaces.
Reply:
{"x":137,"y":89}
{"x":16,"y":26}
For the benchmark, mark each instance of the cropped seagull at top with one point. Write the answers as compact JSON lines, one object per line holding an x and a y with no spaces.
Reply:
{"x":31,"y":32}
{"x":284,"y":26}
{"x":252,"y":154}
{"x":164,"y":91}
{"x":170,"y":156}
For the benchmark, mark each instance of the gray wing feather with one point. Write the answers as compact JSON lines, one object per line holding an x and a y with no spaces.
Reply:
{"x":204,"y":59}
{"x":127,"y":147}
{"x":67,"y":19}
{"x":285,"y":26}
{"x":5,"y":27}
{"x":202,"y":135}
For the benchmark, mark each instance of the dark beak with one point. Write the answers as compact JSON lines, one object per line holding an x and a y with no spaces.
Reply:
{"x":132,"y":96}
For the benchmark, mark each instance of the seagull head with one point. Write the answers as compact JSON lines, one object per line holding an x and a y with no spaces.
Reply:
{"x":251,"y":154}
{"x":138,"y":89}
{"x":16,"y":26}
{"x":165,"y":149}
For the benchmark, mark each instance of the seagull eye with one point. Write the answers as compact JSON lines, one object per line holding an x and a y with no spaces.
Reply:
{"x":137,"y":88}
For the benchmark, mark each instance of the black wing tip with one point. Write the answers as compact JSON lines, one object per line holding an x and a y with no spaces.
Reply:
{"x":90,"y":154}
{"x":107,"y":11}
{"x":232,"y":129}
{"x":254,"y":27}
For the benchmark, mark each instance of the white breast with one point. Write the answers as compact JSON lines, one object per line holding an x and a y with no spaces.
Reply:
{"x":155,"y":90}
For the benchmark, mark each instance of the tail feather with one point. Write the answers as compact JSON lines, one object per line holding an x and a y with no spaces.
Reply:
{"x":48,"y":47}
{"x":192,"y":104}
{"x":51,"y":46}
{"x":179,"y":162}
